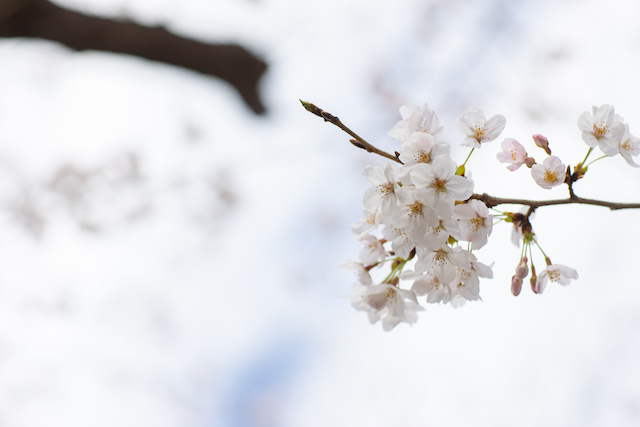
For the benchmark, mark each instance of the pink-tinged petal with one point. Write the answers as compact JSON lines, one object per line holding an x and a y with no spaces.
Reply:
{"x":479,"y":208}
{"x":553,"y":162}
{"x":463,"y":211}
{"x":430,"y":216}
{"x":616,"y":132}
{"x":627,"y":158}
{"x":443,"y":167}
{"x":483,"y":270}
{"x":541,"y":284}
{"x":474,"y":117}
{"x":389,"y":322}
{"x":464,"y":128}
{"x":459,"y":188}
{"x":441,"y":149}
{"x":589,"y":139}
{"x":585,"y":122}
{"x":422,"y":175}
{"x":608,"y":146}
{"x":537,"y":173}
{"x":389,"y":173}
{"x":371,"y":199}
{"x":409,"y":109}
{"x":495,"y":126}
{"x":604,"y":113}
{"x":470,"y":142}
{"x":374,"y":175}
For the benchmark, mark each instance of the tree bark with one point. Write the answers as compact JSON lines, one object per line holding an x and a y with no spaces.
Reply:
{"x":42,"y":19}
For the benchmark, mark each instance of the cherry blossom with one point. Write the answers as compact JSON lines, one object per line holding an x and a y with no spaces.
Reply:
{"x":629,"y":146}
{"x":555,"y":273}
{"x":382,"y":192}
{"x":416,"y":119}
{"x":422,"y":148}
{"x":391,"y":302}
{"x":401,"y":244}
{"x":603,"y":128}
{"x":512,"y":152}
{"x":372,"y":251}
{"x":477,"y":129}
{"x":413,"y":214}
{"x":368,"y":223}
{"x":550,"y":173}
{"x":466,"y":284}
{"x":429,"y":285}
{"x":438,"y":183}
{"x":441,"y":262}
{"x":364,"y":278}
{"x":474,"y":221}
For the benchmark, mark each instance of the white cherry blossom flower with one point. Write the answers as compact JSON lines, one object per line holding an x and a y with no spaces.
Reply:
{"x":396,"y":305}
{"x":441,"y":262}
{"x":550,"y":173}
{"x":429,"y":285}
{"x":438,"y":183}
{"x":382,"y":192}
{"x":401,"y":244}
{"x":513,"y":153}
{"x":422,"y":148}
{"x":603,"y":129}
{"x":438,"y":236}
{"x":364,"y":278}
{"x":466,"y":285}
{"x":416,"y":119}
{"x":477,"y":129}
{"x":372,"y":251}
{"x":629,"y":146}
{"x":556,"y":273}
{"x":413,"y":214}
{"x":475,"y":222}
{"x":368,"y":223}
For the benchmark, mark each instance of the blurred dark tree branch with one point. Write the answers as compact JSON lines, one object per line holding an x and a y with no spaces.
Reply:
{"x":42,"y":19}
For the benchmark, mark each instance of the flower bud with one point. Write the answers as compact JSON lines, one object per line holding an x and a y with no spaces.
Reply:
{"x":533,"y":280}
{"x":516,"y":286}
{"x":529,"y":162}
{"x":522,"y":270}
{"x":542,"y":142}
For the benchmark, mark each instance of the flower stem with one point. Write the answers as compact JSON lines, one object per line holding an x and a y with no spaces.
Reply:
{"x":595,"y":160}
{"x":585,"y":157}
{"x":465,"y":162}
{"x":536,"y":242}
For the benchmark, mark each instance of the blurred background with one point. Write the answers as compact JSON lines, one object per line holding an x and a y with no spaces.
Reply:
{"x":169,"y":239}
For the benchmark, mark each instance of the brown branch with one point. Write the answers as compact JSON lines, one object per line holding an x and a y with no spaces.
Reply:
{"x":358,"y":141}
{"x":488,"y":200}
{"x":491,"y":201}
{"x":42,"y":19}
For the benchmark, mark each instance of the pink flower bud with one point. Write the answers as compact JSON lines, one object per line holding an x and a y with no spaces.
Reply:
{"x":528,"y":161}
{"x":522,"y":271}
{"x":516,"y":286}
{"x":542,"y":142}
{"x":533,"y":280}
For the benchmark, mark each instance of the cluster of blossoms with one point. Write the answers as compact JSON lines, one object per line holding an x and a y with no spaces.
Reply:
{"x":420,"y":210}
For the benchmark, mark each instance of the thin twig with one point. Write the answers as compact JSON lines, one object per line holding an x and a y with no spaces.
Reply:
{"x":488,"y":200}
{"x":357,"y":141}
{"x":491,"y":201}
